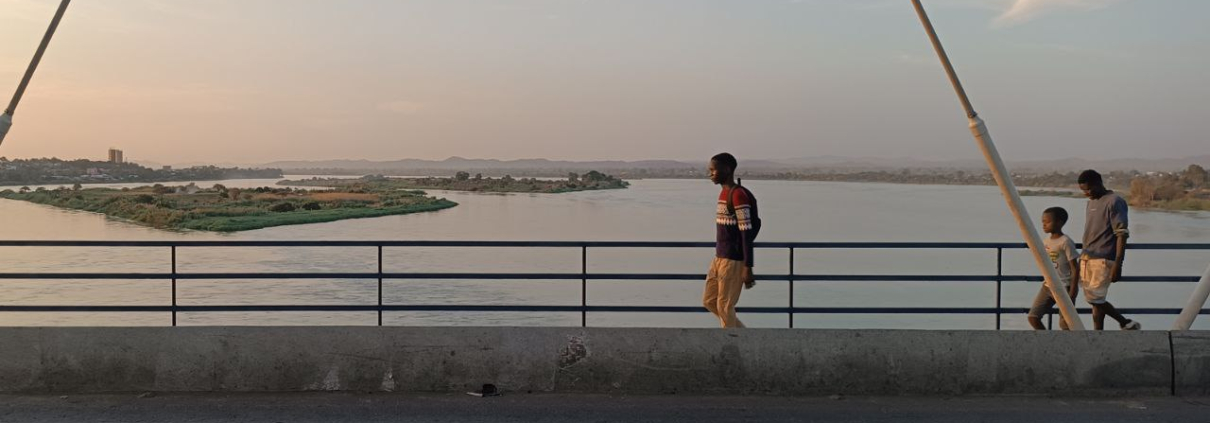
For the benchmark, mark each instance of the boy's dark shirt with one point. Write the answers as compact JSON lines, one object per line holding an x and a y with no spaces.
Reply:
{"x":734,"y":230}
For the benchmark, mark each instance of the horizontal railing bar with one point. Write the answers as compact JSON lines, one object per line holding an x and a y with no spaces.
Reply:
{"x":1021,"y":278}
{"x":1124,"y":311}
{"x":235,"y":243}
{"x":549,"y":308}
{"x":600,"y":244}
{"x":60,"y":308}
{"x":959,"y":310}
{"x":114,"y":276}
{"x":957,"y":278}
{"x":595,"y":244}
{"x":560,"y":276}
{"x":1163,"y":246}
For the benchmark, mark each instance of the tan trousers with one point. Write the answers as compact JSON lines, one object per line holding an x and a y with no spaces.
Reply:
{"x":724,"y":283}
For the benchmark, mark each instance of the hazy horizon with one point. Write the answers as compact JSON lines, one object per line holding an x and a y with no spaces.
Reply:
{"x":228,"y":81}
{"x":1181,"y":162}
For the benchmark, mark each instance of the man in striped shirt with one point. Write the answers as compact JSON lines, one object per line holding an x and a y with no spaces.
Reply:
{"x":737,"y":222}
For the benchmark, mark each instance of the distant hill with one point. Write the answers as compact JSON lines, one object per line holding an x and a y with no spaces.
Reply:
{"x":521,"y":167}
{"x":473,"y":164}
{"x":1142,"y":165}
{"x":1057,"y":165}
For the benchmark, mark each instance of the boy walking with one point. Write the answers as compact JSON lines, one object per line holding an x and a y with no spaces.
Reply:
{"x":1062,"y":253}
{"x":1105,"y":233}
{"x":737,"y":223}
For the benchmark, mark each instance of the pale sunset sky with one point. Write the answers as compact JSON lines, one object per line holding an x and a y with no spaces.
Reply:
{"x":252,"y":81}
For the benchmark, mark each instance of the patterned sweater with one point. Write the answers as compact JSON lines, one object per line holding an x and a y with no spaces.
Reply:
{"x":734,"y":230}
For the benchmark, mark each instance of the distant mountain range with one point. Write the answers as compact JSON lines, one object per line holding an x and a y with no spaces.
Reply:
{"x":815,"y":163}
{"x":475,"y":164}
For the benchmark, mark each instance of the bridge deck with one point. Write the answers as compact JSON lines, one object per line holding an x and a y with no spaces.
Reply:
{"x":521,"y":407}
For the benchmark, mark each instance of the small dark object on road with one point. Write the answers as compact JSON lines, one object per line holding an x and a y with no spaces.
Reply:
{"x":488,"y":390}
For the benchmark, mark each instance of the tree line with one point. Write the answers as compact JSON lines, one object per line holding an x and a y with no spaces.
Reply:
{"x":55,"y":170}
{"x":1188,"y":189}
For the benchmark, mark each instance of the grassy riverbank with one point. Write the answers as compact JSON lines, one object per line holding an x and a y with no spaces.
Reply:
{"x":228,"y":210}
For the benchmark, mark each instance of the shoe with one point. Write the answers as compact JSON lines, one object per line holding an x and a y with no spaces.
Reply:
{"x":1133,"y":325}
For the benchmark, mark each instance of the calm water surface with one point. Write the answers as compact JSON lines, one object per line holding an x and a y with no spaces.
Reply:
{"x":651,"y":210}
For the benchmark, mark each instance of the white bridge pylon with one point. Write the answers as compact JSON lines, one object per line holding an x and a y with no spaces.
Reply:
{"x":1004,"y":180}
{"x":1196,"y":301}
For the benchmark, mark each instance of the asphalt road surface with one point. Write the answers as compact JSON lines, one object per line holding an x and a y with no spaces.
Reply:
{"x":519,"y":407}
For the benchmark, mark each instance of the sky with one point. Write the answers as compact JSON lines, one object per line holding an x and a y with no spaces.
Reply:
{"x":253,"y":81}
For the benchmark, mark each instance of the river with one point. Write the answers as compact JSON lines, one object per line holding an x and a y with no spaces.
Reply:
{"x":650,"y":210}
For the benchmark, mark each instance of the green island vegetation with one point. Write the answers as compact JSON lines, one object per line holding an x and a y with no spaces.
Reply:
{"x":463,"y":181}
{"x":225,"y":209}
{"x":58,"y":171}
{"x":1187,"y":190}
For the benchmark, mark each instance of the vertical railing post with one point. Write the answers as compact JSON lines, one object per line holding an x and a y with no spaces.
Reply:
{"x":379,"y":285}
{"x":999,"y":279}
{"x":791,"y":287}
{"x":173,"y":285}
{"x":583,"y":286}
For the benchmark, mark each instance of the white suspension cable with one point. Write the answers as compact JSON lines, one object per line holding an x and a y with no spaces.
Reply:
{"x":6,"y":118}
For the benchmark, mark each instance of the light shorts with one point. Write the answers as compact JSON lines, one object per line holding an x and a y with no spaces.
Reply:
{"x":1095,"y":277}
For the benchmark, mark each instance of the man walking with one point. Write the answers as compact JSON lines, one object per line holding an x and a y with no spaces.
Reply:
{"x":737,"y":222}
{"x":1105,"y":233}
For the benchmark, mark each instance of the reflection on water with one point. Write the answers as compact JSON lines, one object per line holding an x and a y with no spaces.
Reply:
{"x":651,"y":210}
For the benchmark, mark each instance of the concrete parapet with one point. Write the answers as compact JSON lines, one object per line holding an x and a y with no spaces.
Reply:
{"x":1191,"y":363}
{"x":598,"y":360}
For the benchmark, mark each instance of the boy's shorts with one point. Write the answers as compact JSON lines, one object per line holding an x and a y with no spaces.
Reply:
{"x":1095,"y":277}
{"x":1043,"y":302}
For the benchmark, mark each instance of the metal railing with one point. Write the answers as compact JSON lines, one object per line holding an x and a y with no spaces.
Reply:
{"x":583,"y":277}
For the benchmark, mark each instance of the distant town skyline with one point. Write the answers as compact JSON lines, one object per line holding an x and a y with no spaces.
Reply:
{"x":228,"y":81}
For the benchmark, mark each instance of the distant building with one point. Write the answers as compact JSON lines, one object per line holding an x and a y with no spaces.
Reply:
{"x":115,"y":156}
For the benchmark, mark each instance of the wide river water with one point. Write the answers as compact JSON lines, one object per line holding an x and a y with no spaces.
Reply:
{"x":650,"y":210}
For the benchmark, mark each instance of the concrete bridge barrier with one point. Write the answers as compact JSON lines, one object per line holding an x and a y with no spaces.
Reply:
{"x":1191,"y":362}
{"x":602,"y":360}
